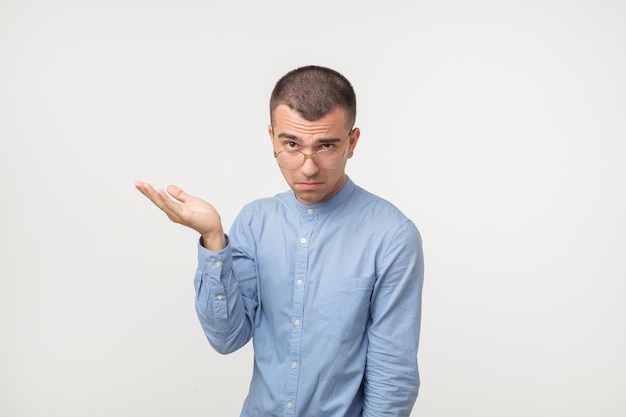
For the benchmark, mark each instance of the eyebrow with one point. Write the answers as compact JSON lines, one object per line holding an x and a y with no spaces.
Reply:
{"x":299,"y":140}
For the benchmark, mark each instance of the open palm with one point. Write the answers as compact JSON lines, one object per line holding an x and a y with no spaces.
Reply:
{"x":185,"y":209}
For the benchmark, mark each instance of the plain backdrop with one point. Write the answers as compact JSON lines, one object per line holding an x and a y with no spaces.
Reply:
{"x":497,"y":126}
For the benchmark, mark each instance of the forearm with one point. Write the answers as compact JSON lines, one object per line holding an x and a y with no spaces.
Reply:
{"x":223,"y":309}
{"x":391,"y":377}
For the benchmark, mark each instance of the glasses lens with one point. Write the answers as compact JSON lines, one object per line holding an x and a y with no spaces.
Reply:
{"x":327,"y":159}
{"x":295,"y":159}
{"x":290,"y":159}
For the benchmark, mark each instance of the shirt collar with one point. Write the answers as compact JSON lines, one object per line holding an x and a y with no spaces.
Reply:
{"x":327,"y":205}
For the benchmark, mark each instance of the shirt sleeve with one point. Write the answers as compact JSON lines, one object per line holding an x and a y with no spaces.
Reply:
{"x":391,"y":373}
{"x":226,"y":294}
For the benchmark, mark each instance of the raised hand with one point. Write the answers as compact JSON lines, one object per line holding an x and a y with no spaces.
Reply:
{"x":189,"y":211}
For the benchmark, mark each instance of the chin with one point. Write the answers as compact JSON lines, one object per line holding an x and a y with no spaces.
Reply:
{"x":309,"y":199}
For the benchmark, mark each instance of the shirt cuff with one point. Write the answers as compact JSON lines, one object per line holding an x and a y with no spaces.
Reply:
{"x":216,"y":262}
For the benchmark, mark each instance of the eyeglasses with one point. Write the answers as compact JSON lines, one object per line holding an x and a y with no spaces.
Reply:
{"x":324,"y":159}
{"x":291,"y":159}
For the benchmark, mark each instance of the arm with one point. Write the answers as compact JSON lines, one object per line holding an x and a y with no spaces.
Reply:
{"x":391,"y":373}
{"x":225,"y":296}
{"x":226,"y":291}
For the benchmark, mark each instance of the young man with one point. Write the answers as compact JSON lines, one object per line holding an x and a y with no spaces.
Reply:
{"x":326,"y":279}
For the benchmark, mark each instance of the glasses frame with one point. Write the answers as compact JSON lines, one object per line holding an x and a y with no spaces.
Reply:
{"x":312,"y":155}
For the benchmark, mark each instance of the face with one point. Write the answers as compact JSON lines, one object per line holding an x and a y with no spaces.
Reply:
{"x":290,"y":131}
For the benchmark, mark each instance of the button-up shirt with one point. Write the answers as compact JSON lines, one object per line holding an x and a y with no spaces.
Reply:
{"x":330,"y":294}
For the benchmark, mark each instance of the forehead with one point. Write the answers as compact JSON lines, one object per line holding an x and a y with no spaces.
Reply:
{"x":287,"y":120}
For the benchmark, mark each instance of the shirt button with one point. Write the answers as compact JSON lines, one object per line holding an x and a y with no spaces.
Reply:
{"x":310,"y":211}
{"x":299,"y":283}
{"x":289,"y":405}
{"x":218,"y":263}
{"x":296,"y":322}
{"x":294,"y":365}
{"x":303,"y":240}
{"x":220,"y":297}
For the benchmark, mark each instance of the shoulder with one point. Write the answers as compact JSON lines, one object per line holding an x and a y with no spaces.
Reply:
{"x":381,"y":216}
{"x":370,"y":204}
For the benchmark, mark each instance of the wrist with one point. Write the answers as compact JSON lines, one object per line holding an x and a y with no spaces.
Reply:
{"x":214,"y":241}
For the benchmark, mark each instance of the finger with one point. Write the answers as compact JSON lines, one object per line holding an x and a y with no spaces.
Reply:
{"x":147,"y":190}
{"x":177,"y":193}
{"x":159,"y":199}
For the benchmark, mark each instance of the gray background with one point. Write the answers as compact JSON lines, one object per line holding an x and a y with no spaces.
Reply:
{"x":497,"y":126}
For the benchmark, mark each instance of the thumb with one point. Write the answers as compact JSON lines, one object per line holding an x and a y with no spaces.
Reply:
{"x":177,"y":193}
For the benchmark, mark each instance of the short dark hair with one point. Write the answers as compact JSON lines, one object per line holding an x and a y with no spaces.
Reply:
{"x":314,"y":91}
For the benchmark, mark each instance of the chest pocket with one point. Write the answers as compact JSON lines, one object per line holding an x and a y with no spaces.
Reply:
{"x":343,"y":307}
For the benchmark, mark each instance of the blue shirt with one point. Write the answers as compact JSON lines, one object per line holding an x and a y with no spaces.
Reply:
{"x":330,"y":295}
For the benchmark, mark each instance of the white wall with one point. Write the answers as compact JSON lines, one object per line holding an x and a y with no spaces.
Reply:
{"x":497,"y":126}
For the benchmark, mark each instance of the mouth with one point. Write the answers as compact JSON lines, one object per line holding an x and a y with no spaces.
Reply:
{"x":309,"y":185}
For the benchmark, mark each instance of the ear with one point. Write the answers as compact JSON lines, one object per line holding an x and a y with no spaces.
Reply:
{"x":270,"y":131}
{"x":354,"y":138}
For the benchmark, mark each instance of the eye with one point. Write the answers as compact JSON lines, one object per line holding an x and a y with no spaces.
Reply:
{"x":291,"y":145}
{"x":327,"y":146}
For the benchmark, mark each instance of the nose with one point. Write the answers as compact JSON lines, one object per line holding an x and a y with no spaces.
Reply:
{"x":308,"y":167}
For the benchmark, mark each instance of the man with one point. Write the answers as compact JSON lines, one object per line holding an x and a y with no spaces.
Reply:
{"x":326,"y":279}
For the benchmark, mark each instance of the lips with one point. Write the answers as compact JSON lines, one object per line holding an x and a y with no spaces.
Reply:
{"x":309,"y":185}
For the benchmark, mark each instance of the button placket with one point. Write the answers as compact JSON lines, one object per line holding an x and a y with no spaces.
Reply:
{"x":301,"y":272}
